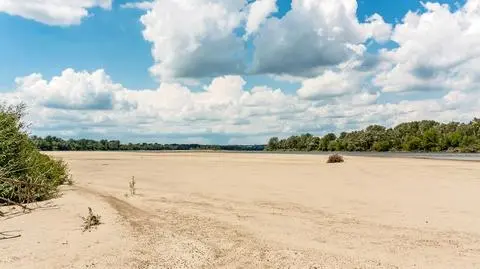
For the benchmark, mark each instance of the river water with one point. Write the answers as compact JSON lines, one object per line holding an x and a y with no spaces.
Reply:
{"x":418,"y":155}
{"x":436,"y":155}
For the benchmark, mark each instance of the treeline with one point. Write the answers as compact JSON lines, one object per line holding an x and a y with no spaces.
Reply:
{"x":424,"y":136}
{"x":52,"y":143}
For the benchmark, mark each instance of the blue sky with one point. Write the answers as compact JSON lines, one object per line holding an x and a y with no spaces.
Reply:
{"x":112,"y":40}
{"x":109,"y":39}
{"x":305,"y":67}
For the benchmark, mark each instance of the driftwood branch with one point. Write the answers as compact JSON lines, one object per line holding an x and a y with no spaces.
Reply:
{"x":5,"y":236}
{"x":15,"y":203}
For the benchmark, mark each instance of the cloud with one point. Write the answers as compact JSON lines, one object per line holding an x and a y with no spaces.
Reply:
{"x":53,"y":12}
{"x":348,"y":81}
{"x":320,"y":45}
{"x":437,"y":51}
{"x":70,"y":90}
{"x":259,"y":11}
{"x":195,"y":39}
{"x":90,"y":104}
{"x":312,"y":36}
{"x":204,"y":38}
{"x":329,"y":84}
{"x":145,"y":5}
{"x":378,"y":29}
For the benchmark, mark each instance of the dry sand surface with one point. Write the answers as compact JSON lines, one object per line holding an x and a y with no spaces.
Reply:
{"x":221,"y":210}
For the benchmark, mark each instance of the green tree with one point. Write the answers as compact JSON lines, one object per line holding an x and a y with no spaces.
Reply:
{"x":381,"y":146}
{"x":325,"y":141}
{"x":430,"y":140}
{"x":273,"y":144}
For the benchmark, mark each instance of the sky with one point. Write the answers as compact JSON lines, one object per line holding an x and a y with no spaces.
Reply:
{"x":237,"y":71}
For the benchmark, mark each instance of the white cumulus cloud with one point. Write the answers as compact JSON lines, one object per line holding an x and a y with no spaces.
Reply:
{"x":328,"y":84}
{"x":378,"y":29}
{"x":439,"y":50}
{"x":203,"y":37}
{"x":53,"y":12}
{"x":319,"y":45}
{"x":71,"y":90}
{"x":145,"y":5}
{"x":259,"y":12}
{"x":195,"y":38}
{"x":313,"y":35}
{"x":90,"y":104}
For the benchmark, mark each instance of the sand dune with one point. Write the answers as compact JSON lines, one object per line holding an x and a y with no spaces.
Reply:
{"x":220,"y":210}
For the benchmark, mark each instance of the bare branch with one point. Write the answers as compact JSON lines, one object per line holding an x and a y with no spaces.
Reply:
{"x":5,"y":236}
{"x":15,"y":203}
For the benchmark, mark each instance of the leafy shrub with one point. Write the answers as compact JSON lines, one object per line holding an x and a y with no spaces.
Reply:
{"x":26,"y":175}
{"x":335,"y":158}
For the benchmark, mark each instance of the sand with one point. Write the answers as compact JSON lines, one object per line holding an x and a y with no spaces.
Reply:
{"x":221,"y":210}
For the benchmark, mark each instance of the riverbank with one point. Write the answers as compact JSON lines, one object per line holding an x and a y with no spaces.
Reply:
{"x":230,"y":210}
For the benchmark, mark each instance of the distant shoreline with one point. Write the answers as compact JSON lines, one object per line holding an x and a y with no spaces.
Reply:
{"x":472,"y":157}
{"x":475,"y":157}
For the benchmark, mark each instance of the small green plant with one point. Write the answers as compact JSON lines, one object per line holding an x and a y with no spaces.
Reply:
{"x":132,"y":186}
{"x":90,"y":221}
{"x":335,"y":158}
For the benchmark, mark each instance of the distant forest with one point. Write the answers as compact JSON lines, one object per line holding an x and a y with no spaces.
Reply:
{"x":422,"y":136}
{"x":52,"y":143}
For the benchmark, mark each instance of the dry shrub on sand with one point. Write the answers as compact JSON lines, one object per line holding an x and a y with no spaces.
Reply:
{"x":90,"y":221}
{"x":335,"y":158}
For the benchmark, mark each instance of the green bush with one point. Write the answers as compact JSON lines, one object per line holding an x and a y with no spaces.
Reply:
{"x":26,"y":175}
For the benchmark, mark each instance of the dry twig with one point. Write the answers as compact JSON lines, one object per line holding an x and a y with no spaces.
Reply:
{"x":132,"y":186}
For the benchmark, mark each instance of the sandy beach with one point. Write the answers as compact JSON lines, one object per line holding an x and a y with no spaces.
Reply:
{"x":234,"y":210}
